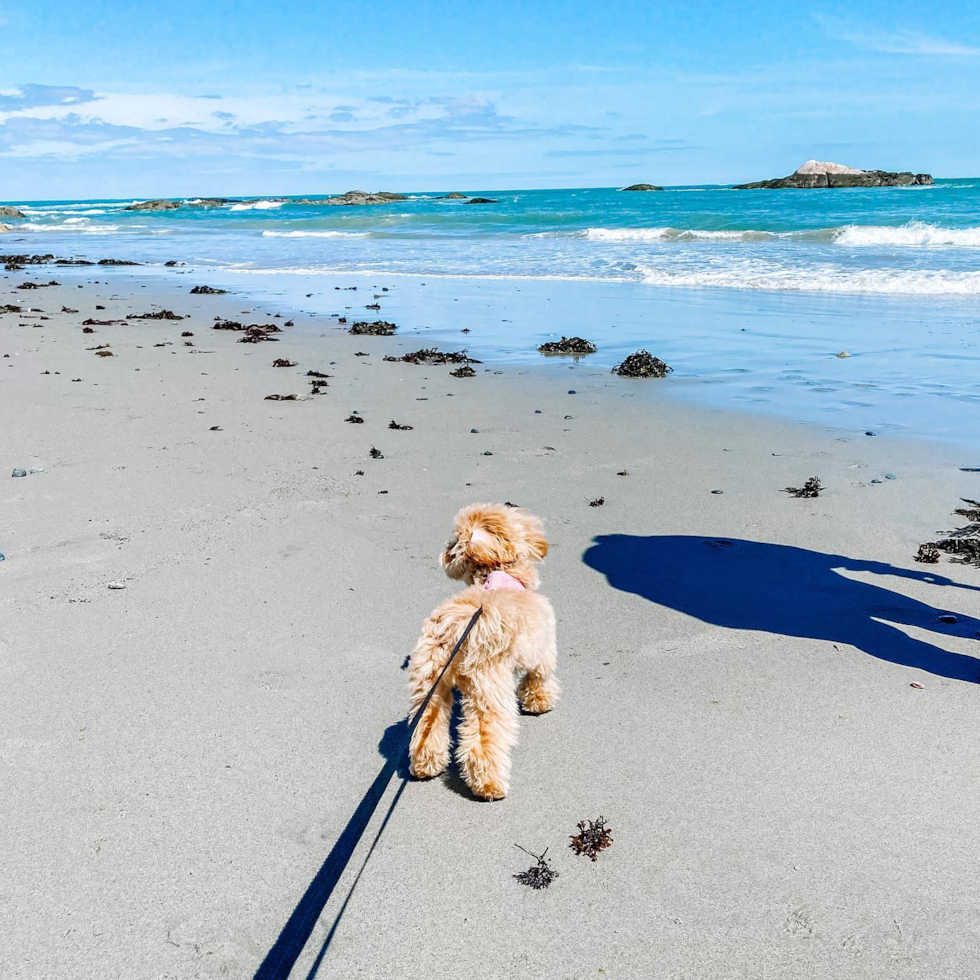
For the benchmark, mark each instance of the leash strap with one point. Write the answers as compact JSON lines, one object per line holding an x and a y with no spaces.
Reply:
{"x":432,"y":690}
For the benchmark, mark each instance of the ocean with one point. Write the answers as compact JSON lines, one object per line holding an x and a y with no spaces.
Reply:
{"x":749,"y":294}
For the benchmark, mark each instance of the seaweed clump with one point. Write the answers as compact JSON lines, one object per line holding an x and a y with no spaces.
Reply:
{"x":539,"y":875}
{"x":811,"y":488}
{"x":642,"y":364}
{"x":373,"y":328}
{"x":568,"y":345}
{"x":207,"y":291}
{"x":429,"y":355}
{"x":593,"y":836}
{"x":159,"y":315}
{"x":283,"y":362}
{"x":463,"y":372}
{"x":963,"y":544}
{"x":401,"y":428}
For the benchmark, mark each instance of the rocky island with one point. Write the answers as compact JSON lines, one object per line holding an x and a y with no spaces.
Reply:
{"x":815,"y":173}
{"x":641,"y":187}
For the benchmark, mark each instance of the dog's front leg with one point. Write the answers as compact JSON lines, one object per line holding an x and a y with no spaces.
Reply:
{"x":488,"y":731}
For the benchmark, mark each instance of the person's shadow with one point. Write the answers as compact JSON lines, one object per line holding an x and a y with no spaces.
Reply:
{"x":751,"y":585}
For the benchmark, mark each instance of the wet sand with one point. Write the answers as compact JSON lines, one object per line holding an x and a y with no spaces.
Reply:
{"x":181,"y":754}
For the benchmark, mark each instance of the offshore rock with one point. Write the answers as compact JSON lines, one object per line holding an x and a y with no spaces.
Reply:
{"x":815,"y":174}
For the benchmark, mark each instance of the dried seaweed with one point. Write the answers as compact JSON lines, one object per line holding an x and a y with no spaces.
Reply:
{"x":317,"y":374}
{"x":283,"y":398}
{"x":256,"y":333}
{"x":354,"y":418}
{"x":463,"y":372}
{"x":811,"y":488}
{"x":186,"y":333}
{"x":962,"y":549}
{"x":10,"y":308}
{"x":568,"y":345}
{"x":429,"y":355}
{"x":373,"y":306}
{"x":598,"y":502}
{"x":228,"y":325}
{"x":401,"y":428}
{"x":376,"y":453}
{"x":316,"y":384}
{"x":642,"y":364}
{"x":104,"y":353}
{"x":88,"y":329}
{"x":282,"y":362}
{"x":159,"y":315}
{"x":593,"y":836}
{"x":374,"y":328}
{"x":68,"y":309}
{"x":538,"y":876}
{"x":972,"y":513}
{"x":928,"y":554}
{"x":207,"y":291}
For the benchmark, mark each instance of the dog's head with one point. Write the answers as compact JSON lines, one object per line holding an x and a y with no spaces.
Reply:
{"x":492,"y":537}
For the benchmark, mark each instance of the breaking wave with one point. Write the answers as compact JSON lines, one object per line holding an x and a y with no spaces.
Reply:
{"x":316,"y":234}
{"x":913,"y":233}
{"x":257,"y":206}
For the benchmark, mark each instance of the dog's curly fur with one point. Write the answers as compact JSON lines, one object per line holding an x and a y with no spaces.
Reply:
{"x":509,"y":655}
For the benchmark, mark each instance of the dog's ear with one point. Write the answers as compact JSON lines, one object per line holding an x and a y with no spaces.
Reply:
{"x":490,"y":546}
{"x":536,"y":544}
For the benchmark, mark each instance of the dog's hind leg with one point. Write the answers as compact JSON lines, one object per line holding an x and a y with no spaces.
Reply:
{"x":429,"y":748}
{"x":539,"y":688}
{"x":488,"y":731}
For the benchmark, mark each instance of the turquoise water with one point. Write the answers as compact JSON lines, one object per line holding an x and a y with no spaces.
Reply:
{"x":749,"y":294}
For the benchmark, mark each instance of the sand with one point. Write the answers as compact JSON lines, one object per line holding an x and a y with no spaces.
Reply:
{"x":180,"y":755}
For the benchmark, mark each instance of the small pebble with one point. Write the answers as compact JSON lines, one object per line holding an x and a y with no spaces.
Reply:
{"x":890,"y":476}
{"x":486,"y":452}
{"x":948,"y":618}
{"x":876,"y":480}
{"x":37,"y":469}
{"x":117,"y":585}
{"x":571,"y":391}
{"x":2,"y":556}
{"x":870,"y":433}
{"x":917,"y":686}
{"x":19,"y":472}
{"x":843,"y":353}
{"x":537,"y":411}
{"x":474,"y":430}
{"x":717,"y":491}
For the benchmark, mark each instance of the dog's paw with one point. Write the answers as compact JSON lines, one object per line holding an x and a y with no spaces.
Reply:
{"x":537,"y":698}
{"x":427,"y":765}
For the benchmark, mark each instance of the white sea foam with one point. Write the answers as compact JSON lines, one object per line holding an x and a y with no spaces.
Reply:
{"x":756,"y":274}
{"x":257,"y":206}
{"x":696,"y":235}
{"x":82,"y":225}
{"x":914,"y":233}
{"x":315,"y":234}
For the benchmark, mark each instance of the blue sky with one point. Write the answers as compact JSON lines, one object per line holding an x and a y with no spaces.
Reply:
{"x":123,"y":99}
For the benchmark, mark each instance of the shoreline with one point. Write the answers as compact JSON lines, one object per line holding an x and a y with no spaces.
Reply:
{"x":772,"y":354}
{"x":182,"y":753}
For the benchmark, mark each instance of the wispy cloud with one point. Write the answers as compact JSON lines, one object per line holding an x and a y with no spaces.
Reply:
{"x":38,"y":96}
{"x":895,"y":42}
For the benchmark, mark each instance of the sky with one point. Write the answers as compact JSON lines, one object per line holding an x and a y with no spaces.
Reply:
{"x":121,"y":99}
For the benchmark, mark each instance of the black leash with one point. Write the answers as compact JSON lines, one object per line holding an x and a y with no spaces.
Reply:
{"x":282,"y":957}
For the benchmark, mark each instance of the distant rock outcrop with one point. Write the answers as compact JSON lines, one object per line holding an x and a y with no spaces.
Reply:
{"x":815,"y":174}
{"x":154,"y":206}
{"x":353,"y":198}
{"x":6,"y":211}
{"x":641,"y":187}
{"x":211,"y":202}
{"x":481,"y":200}
{"x":454,"y":196}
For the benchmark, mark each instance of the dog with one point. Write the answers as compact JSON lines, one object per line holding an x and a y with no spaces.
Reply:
{"x":510,"y":654}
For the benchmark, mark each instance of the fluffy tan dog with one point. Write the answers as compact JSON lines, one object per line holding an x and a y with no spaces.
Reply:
{"x":509,"y":655}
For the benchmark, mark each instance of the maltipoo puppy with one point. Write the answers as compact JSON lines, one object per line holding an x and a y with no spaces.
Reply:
{"x":509,"y":655}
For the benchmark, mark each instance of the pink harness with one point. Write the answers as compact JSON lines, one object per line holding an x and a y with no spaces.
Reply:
{"x":502,"y":581}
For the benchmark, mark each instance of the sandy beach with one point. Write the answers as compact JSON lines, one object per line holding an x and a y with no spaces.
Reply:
{"x":180,"y":753}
